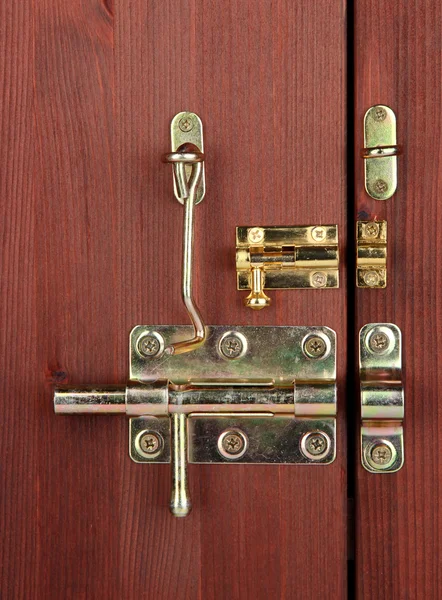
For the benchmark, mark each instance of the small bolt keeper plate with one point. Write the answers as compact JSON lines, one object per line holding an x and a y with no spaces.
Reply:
{"x":371,"y":254}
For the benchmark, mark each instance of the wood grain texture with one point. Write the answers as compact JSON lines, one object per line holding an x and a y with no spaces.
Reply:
{"x":91,"y":236}
{"x":399,"y":520}
{"x":18,"y":331}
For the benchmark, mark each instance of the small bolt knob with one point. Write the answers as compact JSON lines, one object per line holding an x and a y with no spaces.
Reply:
{"x":257,"y":300}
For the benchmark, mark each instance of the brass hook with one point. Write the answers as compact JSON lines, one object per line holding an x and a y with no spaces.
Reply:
{"x":188,"y":190}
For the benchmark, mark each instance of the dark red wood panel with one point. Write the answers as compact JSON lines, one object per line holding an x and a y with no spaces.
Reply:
{"x":18,"y":331}
{"x":265,"y":89}
{"x":399,"y":520}
{"x":91,"y":239}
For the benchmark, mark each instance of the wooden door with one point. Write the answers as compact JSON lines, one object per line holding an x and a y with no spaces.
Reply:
{"x":398,"y":519}
{"x":91,"y":245}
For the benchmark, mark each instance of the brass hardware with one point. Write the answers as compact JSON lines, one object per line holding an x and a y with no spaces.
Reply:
{"x":382,"y":397}
{"x":180,"y":503}
{"x":232,"y":444}
{"x":315,"y":445}
{"x":187,"y":159}
{"x":285,"y":258}
{"x":380,"y":152}
{"x":274,"y":401}
{"x":371,"y":254}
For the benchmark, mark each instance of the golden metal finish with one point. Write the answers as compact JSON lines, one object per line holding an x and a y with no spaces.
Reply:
{"x":371,"y":254}
{"x":189,"y":186}
{"x":191,"y":137}
{"x":285,"y":258}
{"x":257,"y":395}
{"x":270,"y":356}
{"x":180,"y":503}
{"x":382,"y":398}
{"x":380,"y":152}
{"x":271,"y":439}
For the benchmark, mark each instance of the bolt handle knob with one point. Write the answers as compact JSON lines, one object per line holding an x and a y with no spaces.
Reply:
{"x":180,"y":502}
{"x":257,"y":299}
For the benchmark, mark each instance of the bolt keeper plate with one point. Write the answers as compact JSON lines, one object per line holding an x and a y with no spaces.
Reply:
{"x":382,"y":397}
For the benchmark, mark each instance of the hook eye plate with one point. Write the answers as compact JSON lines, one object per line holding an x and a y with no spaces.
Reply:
{"x":187,"y":128}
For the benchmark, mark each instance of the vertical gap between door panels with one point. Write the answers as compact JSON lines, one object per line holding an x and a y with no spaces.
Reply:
{"x":351,"y":405}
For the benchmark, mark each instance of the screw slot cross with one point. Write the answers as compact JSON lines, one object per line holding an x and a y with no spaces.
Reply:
{"x":381,"y":186}
{"x":233,"y":443}
{"x":371,"y":229}
{"x":256,"y":234}
{"x":317,"y":444}
{"x":232,"y":346}
{"x":148,"y":345}
{"x":380,"y":113}
{"x":316,"y":346}
{"x":319,"y":279}
{"x":380,"y":341}
{"x":381,"y":454}
{"x":148,"y":443}
{"x":186,"y":124}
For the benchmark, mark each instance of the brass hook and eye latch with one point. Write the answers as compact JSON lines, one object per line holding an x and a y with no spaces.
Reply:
{"x":304,"y":257}
{"x":382,"y":397}
{"x":380,"y":152}
{"x":189,"y":184}
{"x":371,"y":254}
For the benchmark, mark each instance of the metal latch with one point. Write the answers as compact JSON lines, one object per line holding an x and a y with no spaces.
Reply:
{"x":380,"y":152}
{"x":189,"y":184}
{"x":261,"y":395}
{"x":382,"y":397}
{"x":211,"y":394}
{"x":371,"y":257}
{"x":285,"y":258}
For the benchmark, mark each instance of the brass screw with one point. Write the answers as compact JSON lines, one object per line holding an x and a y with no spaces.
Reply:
{"x":314,"y":347}
{"x":150,"y":442}
{"x":380,"y":113}
{"x":148,"y":345}
{"x":319,"y":279}
{"x":381,"y":454}
{"x":232,"y":444}
{"x":318,"y":234}
{"x":371,"y":278}
{"x":186,"y":124}
{"x":371,"y":230}
{"x":380,"y":186}
{"x":255,"y":235}
{"x":379,"y":342}
{"x":315,"y":445}
{"x":231,"y":346}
